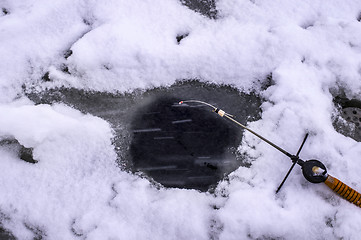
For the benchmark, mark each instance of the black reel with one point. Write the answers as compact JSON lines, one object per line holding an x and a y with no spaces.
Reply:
{"x":313,"y":170}
{"x":309,"y":171}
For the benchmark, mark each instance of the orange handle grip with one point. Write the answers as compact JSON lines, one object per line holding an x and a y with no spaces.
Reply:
{"x":343,"y":190}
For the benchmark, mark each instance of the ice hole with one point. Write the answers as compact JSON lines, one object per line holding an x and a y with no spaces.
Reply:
{"x":188,"y":145}
{"x":183,"y":146}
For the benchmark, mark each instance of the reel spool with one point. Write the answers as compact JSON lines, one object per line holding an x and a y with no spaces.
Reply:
{"x":314,"y":171}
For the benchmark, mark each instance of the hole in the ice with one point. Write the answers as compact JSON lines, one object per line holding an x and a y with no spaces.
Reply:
{"x":180,"y":37}
{"x":359,"y":17}
{"x":177,"y":146}
{"x":189,"y":146}
{"x":354,"y":112}
{"x":182,"y":146}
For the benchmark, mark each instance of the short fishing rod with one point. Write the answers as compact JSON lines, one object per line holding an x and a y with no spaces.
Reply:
{"x":313,"y":170}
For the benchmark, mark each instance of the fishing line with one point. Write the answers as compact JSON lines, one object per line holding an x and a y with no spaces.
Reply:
{"x":313,"y":170}
{"x":230,"y":117}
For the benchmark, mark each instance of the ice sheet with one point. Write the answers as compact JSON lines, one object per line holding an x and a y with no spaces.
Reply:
{"x":76,"y":190}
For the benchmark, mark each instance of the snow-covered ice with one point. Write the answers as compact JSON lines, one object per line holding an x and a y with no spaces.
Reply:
{"x":76,"y":190}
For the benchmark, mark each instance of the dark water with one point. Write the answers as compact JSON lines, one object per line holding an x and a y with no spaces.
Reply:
{"x":186,"y":146}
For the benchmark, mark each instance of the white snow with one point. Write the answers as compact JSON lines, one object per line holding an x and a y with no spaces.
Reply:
{"x":76,"y":190}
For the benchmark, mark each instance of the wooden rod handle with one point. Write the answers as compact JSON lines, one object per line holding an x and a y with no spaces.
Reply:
{"x":343,"y":190}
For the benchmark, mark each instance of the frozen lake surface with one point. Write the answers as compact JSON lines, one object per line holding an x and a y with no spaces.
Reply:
{"x":78,"y":78}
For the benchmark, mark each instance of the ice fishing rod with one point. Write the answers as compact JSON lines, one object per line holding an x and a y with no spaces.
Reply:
{"x":313,"y":170}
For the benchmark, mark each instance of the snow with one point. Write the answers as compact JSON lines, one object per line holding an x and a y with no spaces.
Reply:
{"x":76,"y":190}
